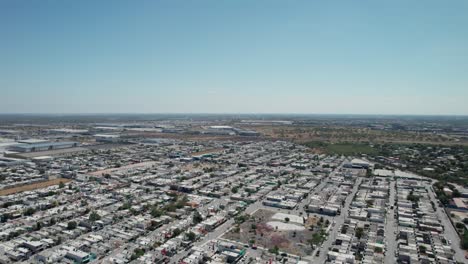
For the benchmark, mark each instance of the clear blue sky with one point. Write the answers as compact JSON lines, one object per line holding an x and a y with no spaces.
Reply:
{"x":359,"y":57}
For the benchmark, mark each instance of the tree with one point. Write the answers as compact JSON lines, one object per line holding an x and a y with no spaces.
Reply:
{"x":125,"y":206}
{"x":176,"y":232}
{"x":61,"y":185}
{"x":181,"y":202}
{"x":191,"y":236}
{"x":359,"y":232}
{"x":241,"y":218}
{"x":286,"y":219}
{"x":274,"y":250}
{"x":93,"y":217}
{"x":456,"y":193}
{"x":155,"y":212}
{"x":71,"y":225}
{"x":197,"y":218}
{"x":38,"y":226}
{"x":464,"y":240}
{"x":138,"y":252}
{"x":318,"y":237}
{"x":29,"y":211}
{"x":412,"y":197}
{"x":422,"y":249}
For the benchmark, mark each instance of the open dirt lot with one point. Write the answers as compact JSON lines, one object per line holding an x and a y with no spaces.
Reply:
{"x":145,"y":164}
{"x":265,"y":231}
{"x":207,"y":151}
{"x":33,"y":186}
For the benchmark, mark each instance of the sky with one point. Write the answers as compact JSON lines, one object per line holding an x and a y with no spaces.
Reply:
{"x":243,"y":56}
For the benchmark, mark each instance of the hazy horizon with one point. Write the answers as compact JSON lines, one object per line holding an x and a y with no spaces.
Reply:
{"x":242,"y":57}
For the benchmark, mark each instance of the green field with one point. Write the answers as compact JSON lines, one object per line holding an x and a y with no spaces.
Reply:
{"x":346,"y":149}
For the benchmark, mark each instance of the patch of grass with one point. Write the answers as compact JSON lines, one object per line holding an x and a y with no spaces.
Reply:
{"x":343,"y":148}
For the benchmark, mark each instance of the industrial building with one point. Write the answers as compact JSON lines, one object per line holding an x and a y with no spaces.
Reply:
{"x":43,"y":146}
{"x":108,"y":138}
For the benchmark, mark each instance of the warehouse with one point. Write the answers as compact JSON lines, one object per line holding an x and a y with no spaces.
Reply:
{"x":34,"y":147}
{"x":108,"y":138}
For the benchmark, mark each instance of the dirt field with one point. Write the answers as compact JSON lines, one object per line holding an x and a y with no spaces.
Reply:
{"x":33,"y":186}
{"x":263,"y":230}
{"x":207,"y":151}
{"x":146,"y":164}
{"x":337,"y":134}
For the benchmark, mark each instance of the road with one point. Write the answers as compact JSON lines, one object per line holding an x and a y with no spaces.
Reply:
{"x":449,"y":230}
{"x":391,"y":227}
{"x":338,"y":221}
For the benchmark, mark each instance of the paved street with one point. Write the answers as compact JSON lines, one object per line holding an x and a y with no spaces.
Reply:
{"x":338,"y":220}
{"x":449,"y":229}
{"x":391,"y":227}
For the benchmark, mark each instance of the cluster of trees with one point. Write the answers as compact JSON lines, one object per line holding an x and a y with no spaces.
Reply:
{"x":138,"y":252}
{"x":359,"y":232}
{"x":318,"y":237}
{"x":197,"y":218}
{"x":412,"y":197}
{"x":155,"y":210}
{"x":464,"y":240}
{"x":420,"y":156}
{"x":241,"y":218}
{"x":274,"y":250}
{"x":441,"y":195}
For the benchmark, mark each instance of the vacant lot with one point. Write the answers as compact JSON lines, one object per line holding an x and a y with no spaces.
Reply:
{"x":290,"y":235}
{"x":207,"y":151}
{"x":340,"y":134}
{"x":146,"y":164}
{"x":33,"y":186}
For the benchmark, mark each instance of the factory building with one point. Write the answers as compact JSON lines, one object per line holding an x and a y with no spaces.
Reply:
{"x":107,"y":138}
{"x":43,"y":146}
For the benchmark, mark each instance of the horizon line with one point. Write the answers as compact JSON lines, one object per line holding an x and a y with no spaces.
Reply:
{"x":230,"y":113}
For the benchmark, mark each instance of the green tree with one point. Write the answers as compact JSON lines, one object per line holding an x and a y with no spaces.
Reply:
{"x":93,"y":217}
{"x":29,"y":211}
{"x":138,"y":252}
{"x":176,"y":232}
{"x":274,"y":250}
{"x":359,"y":232}
{"x":38,"y":226}
{"x":422,"y":249}
{"x":464,"y":240}
{"x":197,"y":218}
{"x":155,"y":212}
{"x":191,"y":236}
{"x":71,"y":225}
